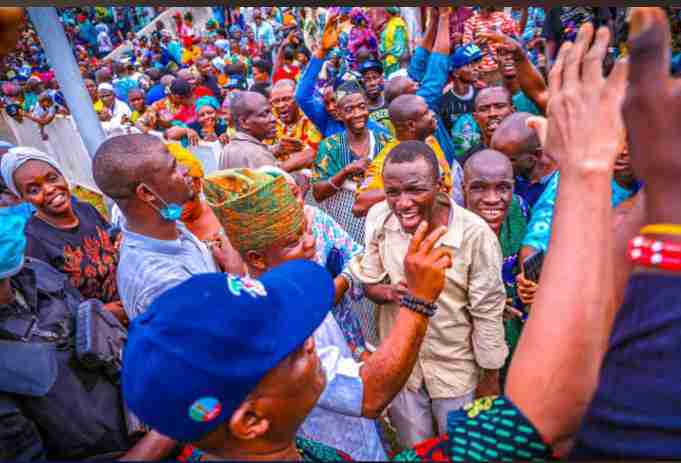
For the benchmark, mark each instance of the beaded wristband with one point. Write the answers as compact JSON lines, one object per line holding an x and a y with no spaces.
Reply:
{"x":418,"y":305}
{"x":656,"y":254}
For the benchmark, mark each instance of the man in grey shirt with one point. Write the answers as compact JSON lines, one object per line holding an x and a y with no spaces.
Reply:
{"x":149,"y":187}
{"x":255,"y":123}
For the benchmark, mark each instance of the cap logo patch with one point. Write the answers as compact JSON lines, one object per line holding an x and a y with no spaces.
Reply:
{"x":253,"y":287}
{"x":205,"y":409}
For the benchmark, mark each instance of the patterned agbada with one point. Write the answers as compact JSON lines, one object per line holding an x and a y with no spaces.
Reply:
{"x":303,"y":130}
{"x":333,"y":243}
{"x":247,"y":200}
{"x":490,"y":429}
{"x":394,"y":43}
{"x":373,"y":177}
{"x":333,"y":155}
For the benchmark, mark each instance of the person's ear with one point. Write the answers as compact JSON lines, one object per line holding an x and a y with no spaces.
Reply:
{"x":246,"y":422}
{"x":197,"y":185}
{"x":411,"y":126}
{"x":143,"y":193}
{"x":256,"y":260}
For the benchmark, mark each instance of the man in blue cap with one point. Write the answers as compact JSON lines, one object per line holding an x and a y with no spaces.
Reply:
{"x":458,"y":103}
{"x":356,"y":393}
{"x":248,"y":397}
{"x":372,"y":80}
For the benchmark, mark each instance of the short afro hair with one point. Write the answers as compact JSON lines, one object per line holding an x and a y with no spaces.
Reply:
{"x":412,"y":150}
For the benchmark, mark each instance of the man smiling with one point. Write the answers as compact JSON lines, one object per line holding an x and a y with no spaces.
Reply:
{"x":492,"y":106}
{"x":468,"y":330}
{"x":488,"y":192}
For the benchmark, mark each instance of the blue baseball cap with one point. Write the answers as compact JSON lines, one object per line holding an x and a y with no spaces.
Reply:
{"x":193,"y":357}
{"x":465,"y":55}
{"x":371,"y":65}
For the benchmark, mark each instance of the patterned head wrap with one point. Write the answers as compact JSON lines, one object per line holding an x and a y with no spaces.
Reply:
{"x":186,"y":159}
{"x":349,"y":87}
{"x":255,"y":209}
{"x":206,"y":101}
{"x":392,"y":10}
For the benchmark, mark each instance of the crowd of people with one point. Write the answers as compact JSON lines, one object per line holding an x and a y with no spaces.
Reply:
{"x":455,"y":244}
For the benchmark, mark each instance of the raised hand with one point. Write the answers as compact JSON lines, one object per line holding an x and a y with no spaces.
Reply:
{"x":652,"y":112}
{"x":425,"y":266}
{"x":585,"y":106}
{"x":330,"y":34}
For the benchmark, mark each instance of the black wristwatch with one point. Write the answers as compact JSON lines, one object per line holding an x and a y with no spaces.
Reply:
{"x":418,"y":305}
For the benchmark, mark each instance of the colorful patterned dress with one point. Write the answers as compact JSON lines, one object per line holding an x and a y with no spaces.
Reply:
{"x":394,"y":43}
{"x":333,"y":249}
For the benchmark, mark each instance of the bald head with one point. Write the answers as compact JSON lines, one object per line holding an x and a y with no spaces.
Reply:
{"x":397,"y":86}
{"x":246,"y":103}
{"x":103,"y":75}
{"x":488,"y":163}
{"x":405,"y":108}
{"x":515,"y":136}
{"x":185,"y":74}
{"x":284,"y":84}
{"x":518,"y":142}
{"x":122,"y":163}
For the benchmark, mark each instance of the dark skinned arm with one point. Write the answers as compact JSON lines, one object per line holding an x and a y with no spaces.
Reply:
{"x":299,"y":160}
{"x":365,"y":200}
{"x":324,"y":190}
{"x":531,"y":81}
{"x":429,"y":37}
{"x":152,"y":447}
{"x":442,"y":44}
{"x":573,"y":312}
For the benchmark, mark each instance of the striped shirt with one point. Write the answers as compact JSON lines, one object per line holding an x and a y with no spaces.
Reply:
{"x":496,"y":22}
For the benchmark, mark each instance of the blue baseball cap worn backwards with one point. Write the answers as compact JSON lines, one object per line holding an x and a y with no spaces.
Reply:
{"x":198,"y":351}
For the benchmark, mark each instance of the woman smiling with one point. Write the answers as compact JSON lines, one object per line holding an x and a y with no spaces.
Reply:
{"x":68,"y":234}
{"x":209,"y":127}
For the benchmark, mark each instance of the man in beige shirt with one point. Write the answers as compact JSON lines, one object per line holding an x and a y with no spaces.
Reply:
{"x":465,"y":339}
{"x":255,"y":123}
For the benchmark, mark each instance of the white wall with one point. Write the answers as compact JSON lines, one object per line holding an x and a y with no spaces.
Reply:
{"x":65,"y":145}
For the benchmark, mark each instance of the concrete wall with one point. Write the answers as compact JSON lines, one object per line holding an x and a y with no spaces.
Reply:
{"x":65,"y":145}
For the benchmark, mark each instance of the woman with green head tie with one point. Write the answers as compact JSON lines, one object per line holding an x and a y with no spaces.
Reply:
{"x":208,"y":126}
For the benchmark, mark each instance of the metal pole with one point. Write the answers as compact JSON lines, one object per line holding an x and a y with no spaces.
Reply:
{"x":59,"y":54}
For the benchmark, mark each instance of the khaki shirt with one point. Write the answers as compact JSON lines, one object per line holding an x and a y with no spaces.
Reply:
{"x":245,"y":151}
{"x":467,"y":332}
